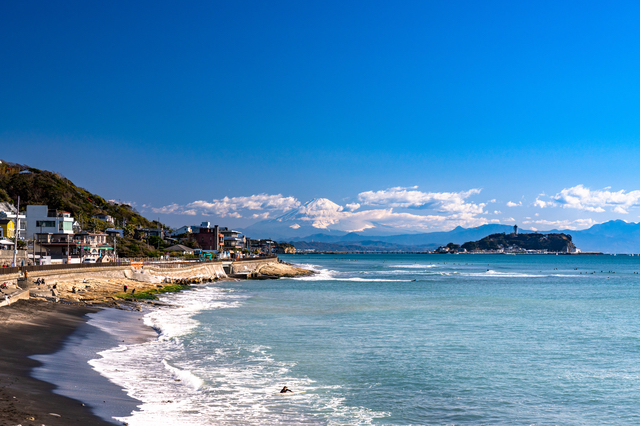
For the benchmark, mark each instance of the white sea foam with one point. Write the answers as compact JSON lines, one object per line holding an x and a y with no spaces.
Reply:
{"x":413,"y":265}
{"x":360,"y":279}
{"x":320,"y":274}
{"x":492,"y":273}
{"x":185,"y":376}
{"x":198,"y":384}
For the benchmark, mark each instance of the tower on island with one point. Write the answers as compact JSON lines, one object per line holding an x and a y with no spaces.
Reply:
{"x":515,"y":229}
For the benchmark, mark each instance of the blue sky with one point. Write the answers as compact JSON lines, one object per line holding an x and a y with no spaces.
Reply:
{"x":427,"y":115}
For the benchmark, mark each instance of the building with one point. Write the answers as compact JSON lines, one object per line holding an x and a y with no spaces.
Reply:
{"x":210,"y":238}
{"x":180,"y":249}
{"x":7,"y":228}
{"x":262,"y":245}
{"x":42,"y":220}
{"x":193,"y":229}
{"x":144,"y":233}
{"x":113,"y":232}
{"x":232,"y":240}
{"x":105,"y":218}
{"x":77,"y":247}
{"x":181,"y":231}
{"x":9,"y":211}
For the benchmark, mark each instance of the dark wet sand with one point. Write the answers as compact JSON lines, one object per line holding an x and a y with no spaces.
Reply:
{"x":28,"y":328}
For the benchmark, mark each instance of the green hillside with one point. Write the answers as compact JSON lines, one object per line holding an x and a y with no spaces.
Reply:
{"x":36,"y":186}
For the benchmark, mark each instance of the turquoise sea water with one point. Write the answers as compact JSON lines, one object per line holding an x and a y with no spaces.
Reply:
{"x":398,"y":340}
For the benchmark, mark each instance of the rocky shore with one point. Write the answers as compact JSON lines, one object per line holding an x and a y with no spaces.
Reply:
{"x":39,"y":326}
{"x":113,"y":287}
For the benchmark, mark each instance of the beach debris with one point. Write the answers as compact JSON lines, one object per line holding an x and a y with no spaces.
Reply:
{"x":31,"y":418}
{"x":55,"y":415}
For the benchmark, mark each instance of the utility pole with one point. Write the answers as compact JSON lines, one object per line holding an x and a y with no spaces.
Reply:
{"x":17,"y":231}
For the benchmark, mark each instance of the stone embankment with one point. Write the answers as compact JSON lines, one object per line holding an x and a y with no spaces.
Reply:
{"x":109,"y":285}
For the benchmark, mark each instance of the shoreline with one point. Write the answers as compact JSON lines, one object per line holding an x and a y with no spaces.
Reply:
{"x":104,"y":330}
{"x":45,"y":378}
{"x":31,"y":328}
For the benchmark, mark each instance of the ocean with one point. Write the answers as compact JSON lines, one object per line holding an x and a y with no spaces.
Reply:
{"x":394,"y":340}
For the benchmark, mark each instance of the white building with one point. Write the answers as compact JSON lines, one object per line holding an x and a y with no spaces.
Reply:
{"x":193,"y":229}
{"x":105,"y":218}
{"x":42,"y":220}
{"x":9,"y":211}
{"x":180,"y":231}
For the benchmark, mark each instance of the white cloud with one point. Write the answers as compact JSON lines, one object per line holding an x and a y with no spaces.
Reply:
{"x":512,"y":204}
{"x":353,"y":206}
{"x":450,"y":202}
{"x":497,"y":212}
{"x":563,"y":224}
{"x":620,"y":209}
{"x":174,"y":209}
{"x":540,"y":203}
{"x":581,"y":198}
{"x":230,"y":207}
{"x":261,"y":216}
{"x":446,"y":210}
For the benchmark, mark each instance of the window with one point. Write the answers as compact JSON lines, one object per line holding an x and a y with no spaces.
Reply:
{"x":45,"y":223}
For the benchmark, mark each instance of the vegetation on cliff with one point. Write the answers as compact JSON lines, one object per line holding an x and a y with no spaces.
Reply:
{"x":549,"y":242}
{"x":36,"y":186}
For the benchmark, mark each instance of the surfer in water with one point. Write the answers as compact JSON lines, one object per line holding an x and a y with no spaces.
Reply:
{"x":285,"y":390}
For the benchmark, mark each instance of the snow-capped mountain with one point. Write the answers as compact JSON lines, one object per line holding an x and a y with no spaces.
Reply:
{"x":317,"y":215}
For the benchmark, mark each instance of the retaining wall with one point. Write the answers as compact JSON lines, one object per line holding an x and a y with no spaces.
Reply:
{"x":251,"y":265}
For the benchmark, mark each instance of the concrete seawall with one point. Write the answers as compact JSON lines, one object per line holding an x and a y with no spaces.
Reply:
{"x":151,"y":272}
{"x":249,"y":266}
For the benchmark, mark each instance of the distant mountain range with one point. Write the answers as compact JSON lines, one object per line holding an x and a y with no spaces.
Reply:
{"x":616,"y":236}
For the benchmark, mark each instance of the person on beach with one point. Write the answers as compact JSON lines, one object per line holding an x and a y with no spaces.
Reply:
{"x":285,"y":390}
{"x":133,"y":291}
{"x":125,"y":288}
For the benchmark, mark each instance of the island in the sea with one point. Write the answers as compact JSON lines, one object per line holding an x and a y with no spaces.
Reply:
{"x":515,"y":243}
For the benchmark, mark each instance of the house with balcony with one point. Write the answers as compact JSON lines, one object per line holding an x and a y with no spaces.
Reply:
{"x":43,"y":220}
{"x":233,"y":240}
{"x":74,"y":248}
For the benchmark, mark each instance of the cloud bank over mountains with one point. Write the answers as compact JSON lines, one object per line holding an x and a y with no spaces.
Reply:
{"x":581,"y":198}
{"x":391,"y":208}
{"x":408,"y":209}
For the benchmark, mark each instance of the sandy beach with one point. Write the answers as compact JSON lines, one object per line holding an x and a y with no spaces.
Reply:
{"x":32,"y":329}
{"x":29,"y":328}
